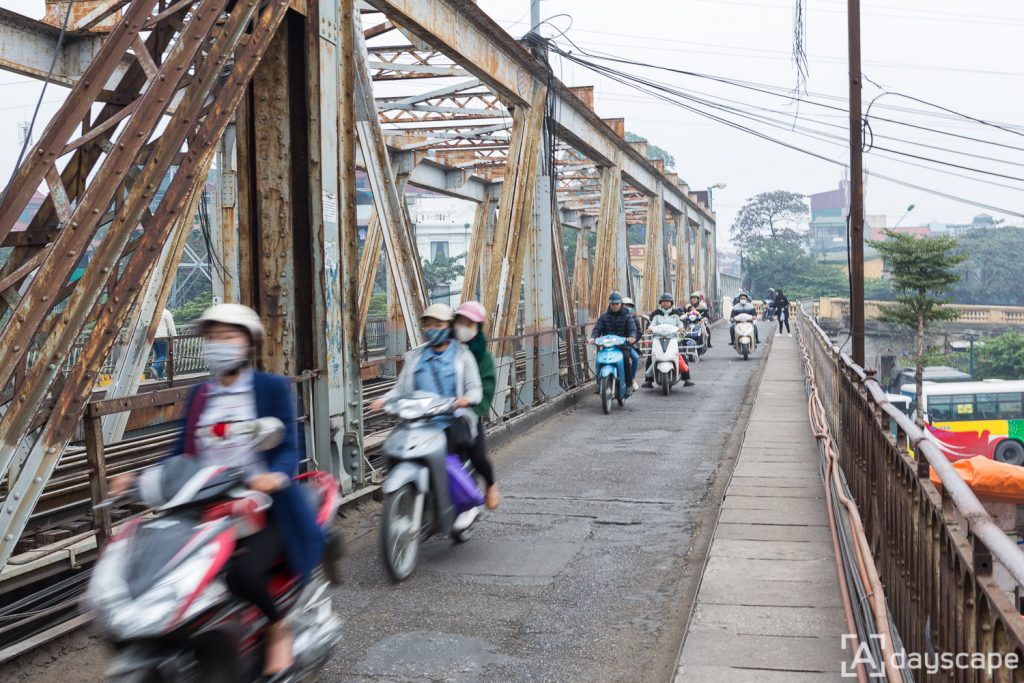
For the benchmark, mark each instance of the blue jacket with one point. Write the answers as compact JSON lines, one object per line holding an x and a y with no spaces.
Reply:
{"x":302,"y":537}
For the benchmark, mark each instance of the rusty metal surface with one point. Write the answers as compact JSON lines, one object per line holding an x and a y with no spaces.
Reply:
{"x":201,"y":126}
{"x":936,"y":550}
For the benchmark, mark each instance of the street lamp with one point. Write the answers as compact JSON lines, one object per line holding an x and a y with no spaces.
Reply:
{"x":905,"y":214}
{"x":718,"y":186}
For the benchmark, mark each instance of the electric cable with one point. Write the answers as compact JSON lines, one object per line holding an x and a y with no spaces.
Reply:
{"x":39,"y":102}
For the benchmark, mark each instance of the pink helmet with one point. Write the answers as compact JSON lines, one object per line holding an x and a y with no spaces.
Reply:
{"x":472,"y":310}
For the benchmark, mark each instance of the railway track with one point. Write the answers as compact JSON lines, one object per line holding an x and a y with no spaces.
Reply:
{"x":41,"y":602}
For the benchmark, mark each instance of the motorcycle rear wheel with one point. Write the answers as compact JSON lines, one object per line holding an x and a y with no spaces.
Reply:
{"x":607,"y":387}
{"x":399,"y":542}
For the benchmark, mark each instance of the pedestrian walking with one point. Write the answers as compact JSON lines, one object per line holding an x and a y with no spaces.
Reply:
{"x":164,"y":331}
{"x":782,"y":310}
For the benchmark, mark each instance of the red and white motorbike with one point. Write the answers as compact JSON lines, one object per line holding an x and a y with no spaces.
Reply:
{"x":158,"y":590}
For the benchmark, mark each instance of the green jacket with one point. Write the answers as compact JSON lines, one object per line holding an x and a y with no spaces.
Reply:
{"x":488,"y":374}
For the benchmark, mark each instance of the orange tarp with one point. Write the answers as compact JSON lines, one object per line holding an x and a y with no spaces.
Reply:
{"x":990,"y":480}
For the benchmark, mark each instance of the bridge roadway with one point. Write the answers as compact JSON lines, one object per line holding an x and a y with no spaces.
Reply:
{"x":585,"y":573}
{"x":587,"y":570}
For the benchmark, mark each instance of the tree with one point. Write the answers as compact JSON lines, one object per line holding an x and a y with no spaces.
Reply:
{"x":443,"y":270}
{"x":777,"y":215}
{"x":923,"y":271}
{"x":1000,"y":357}
{"x":993,"y":271}
{"x":653,"y":151}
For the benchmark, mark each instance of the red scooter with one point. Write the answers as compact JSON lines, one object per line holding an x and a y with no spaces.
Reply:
{"x":158,"y":591}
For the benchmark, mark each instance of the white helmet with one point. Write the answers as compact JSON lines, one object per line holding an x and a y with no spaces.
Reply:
{"x":232,"y":314}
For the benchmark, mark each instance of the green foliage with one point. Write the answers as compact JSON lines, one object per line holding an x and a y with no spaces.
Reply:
{"x":994,"y":270}
{"x":769,"y":217}
{"x":1001,"y":357}
{"x":635,"y":234}
{"x":378,"y":306}
{"x":922,"y":275}
{"x":192,"y":309}
{"x":923,"y":272}
{"x":443,"y":270}
{"x":653,"y":151}
{"x":781,"y":263}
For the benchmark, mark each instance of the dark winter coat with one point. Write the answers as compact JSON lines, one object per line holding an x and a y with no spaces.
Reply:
{"x":621,"y":323}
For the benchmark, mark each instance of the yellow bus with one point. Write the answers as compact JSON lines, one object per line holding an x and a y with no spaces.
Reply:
{"x":976,"y":418}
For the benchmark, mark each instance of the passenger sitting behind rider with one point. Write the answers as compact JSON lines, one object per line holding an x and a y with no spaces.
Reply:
{"x":618,"y":321}
{"x":445,"y":367}
{"x":238,"y":393}
{"x":742,"y":305}
{"x":634,"y":348}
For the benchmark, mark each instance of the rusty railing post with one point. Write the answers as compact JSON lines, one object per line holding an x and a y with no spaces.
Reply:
{"x":97,"y":462}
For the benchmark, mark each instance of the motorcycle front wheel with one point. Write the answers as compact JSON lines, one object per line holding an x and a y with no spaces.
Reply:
{"x":399,"y":539}
{"x":666,"y":383}
{"x":607,"y":387}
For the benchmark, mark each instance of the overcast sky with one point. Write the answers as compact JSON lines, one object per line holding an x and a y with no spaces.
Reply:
{"x":937,"y":50}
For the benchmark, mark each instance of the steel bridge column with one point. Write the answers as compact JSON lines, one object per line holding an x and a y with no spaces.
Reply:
{"x":610,"y":222}
{"x":653,"y":262}
{"x":512,"y":231}
{"x":542,"y":349}
{"x":224,"y":232}
{"x":698,"y":256}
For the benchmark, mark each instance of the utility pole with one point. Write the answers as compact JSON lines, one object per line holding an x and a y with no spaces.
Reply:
{"x":856,"y":236}
{"x":534,"y":14}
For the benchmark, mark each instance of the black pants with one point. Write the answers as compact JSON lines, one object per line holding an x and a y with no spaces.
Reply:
{"x":478,"y":455}
{"x":249,"y":569}
{"x":784,"y":318}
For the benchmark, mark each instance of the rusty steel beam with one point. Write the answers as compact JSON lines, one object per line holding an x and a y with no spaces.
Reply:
{"x":58,"y":132}
{"x":471,"y":282}
{"x":130,"y":152}
{"x":653,"y":277}
{"x":399,"y":241}
{"x":682,"y":283}
{"x":199,"y":127}
{"x":606,"y":276}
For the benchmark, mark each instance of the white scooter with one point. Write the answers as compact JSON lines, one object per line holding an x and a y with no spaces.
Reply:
{"x":665,"y":351}
{"x":746,"y":339}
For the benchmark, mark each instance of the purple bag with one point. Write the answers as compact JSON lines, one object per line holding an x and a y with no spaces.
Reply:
{"x":464,"y":491}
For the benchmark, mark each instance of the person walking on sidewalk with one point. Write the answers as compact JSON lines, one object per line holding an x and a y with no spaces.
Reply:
{"x":782,"y":310}
{"x":164,"y":330}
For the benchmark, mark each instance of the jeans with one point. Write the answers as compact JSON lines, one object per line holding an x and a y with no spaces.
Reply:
{"x":159,"y":357}
{"x":634,"y":357}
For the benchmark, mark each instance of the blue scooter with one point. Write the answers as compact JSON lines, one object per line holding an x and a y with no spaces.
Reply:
{"x":611,"y":370}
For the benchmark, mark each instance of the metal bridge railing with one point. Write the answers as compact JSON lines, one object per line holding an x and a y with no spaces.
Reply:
{"x":953,"y":578}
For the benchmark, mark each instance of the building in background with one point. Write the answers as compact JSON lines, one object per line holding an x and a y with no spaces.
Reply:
{"x":444,"y":228}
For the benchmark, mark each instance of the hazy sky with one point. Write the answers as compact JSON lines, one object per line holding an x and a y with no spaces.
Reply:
{"x":938,"y":50}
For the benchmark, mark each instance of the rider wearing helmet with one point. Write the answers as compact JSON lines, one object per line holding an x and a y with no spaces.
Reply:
{"x":236,"y":392}
{"x":618,"y":320}
{"x":445,"y":367}
{"x":469,"y":329}
{"x":665,"y":306}
{"x":634,"y":348}
{"x":698,"y":305}
{"x":742,"y":305}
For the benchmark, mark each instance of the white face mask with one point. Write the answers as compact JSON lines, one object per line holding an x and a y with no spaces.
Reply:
{"x":464,"y":333}
{"x":224,"y":357}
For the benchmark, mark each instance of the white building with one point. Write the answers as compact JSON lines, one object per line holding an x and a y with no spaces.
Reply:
{"x":444,"y":227}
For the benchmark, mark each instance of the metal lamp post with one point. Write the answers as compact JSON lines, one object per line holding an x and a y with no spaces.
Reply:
{"x":971,"y":336}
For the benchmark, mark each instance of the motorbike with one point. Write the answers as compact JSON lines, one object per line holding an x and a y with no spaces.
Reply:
{"x":746,"y":341}
{"x":611,"y":370}
{"x":158,"y":592}
{"x":767,"y":309}
{"x":428,"y":491}
{"x":665,"y":351}
{"x":694,"y":338}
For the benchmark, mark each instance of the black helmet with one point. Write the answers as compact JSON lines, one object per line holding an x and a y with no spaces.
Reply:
{"x":665,"y":297}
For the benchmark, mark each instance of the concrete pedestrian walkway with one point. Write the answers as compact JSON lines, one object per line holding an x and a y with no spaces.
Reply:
{"x":769,"y":607}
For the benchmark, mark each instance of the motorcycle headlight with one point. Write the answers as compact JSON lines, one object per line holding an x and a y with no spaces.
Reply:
{"x":151,"y":613}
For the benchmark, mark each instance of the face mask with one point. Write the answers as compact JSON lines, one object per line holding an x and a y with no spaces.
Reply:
{"x":224,"y":357}
{"x":436,"y":336}
{"x":464,"y":333}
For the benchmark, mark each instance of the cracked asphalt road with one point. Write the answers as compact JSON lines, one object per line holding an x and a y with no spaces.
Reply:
{"x":584,"y":573}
